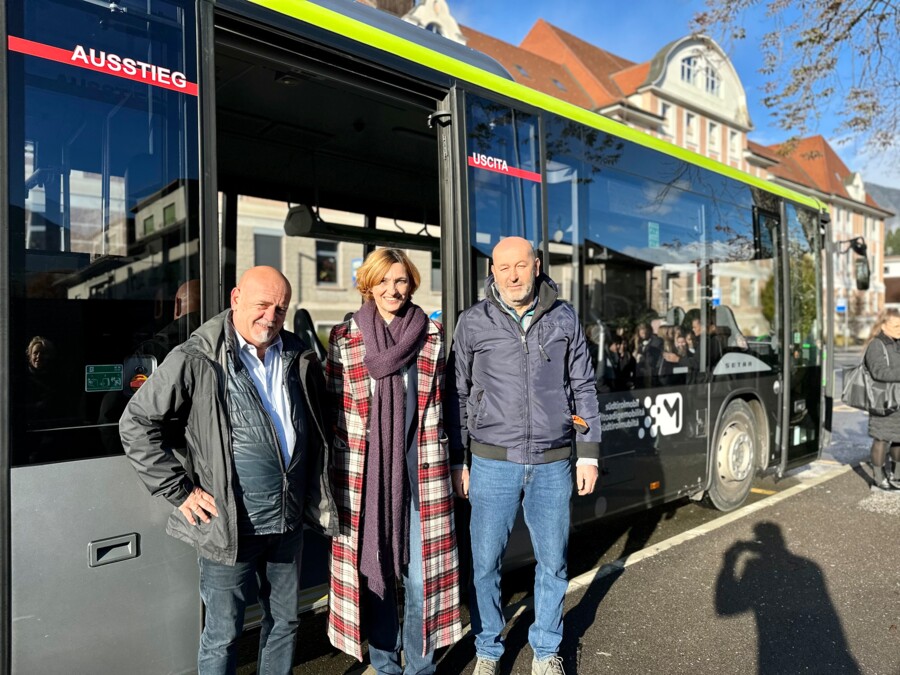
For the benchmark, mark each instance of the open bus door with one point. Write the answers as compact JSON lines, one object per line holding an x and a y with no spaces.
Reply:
{"x":103,"y":232}
{"x":802,"y":406}
{"x":320,"y":160}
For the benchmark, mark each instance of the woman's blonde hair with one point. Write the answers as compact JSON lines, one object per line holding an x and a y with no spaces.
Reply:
{"x":38,"y":340}
{"x":890,"y":313}
{"x":377,"y":264}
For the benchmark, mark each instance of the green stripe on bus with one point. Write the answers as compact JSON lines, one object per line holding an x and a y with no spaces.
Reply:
{"x":337,"y":23}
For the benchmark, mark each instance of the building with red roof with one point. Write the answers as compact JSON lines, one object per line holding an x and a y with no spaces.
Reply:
{"x":689,"y":94}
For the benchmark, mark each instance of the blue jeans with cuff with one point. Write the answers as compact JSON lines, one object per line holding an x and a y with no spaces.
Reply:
{"x":496,"y":488}
{"x":266,"y":566}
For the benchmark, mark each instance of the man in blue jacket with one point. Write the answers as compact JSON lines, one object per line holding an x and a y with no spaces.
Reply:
{"x":524,"y":389}
{"x":230,"y":430}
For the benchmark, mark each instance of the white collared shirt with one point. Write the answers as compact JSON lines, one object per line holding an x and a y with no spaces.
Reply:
{"x":268,"y":377}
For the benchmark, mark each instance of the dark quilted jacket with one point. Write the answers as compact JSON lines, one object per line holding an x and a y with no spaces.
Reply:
{"x":183,"y":402}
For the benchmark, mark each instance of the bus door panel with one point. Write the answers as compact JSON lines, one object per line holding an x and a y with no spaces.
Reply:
{"x":745,"y":330}
{"x":98,"y":585}
{"x":103,"y":281}
{"x":803,"y":337}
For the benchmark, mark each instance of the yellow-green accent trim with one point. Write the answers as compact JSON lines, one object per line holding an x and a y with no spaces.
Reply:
{"x":337,"y":23}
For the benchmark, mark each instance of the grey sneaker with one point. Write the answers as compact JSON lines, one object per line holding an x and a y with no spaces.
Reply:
{"x":485,"y":667}
{"x":552,"y":666}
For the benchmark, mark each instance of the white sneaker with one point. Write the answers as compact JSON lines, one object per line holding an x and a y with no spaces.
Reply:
{"x":551,"y":666}
{"x":485,"y":667}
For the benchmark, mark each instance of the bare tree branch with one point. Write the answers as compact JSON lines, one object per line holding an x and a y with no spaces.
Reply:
{"x":820,"y":55}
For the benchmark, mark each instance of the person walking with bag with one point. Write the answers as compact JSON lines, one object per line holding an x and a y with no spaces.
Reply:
{"x":385,"y":373}
{"x":882,"y":359}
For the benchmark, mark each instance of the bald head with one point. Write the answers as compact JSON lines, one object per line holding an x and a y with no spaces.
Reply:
{"x":515,"y":246}
{"x":515,"y":269}
{"x":187,"y":298}
{"x":259,"y":305}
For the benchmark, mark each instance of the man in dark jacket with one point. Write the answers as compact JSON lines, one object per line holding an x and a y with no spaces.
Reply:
{"x":524,"y":386}
{"x":229,"y":429}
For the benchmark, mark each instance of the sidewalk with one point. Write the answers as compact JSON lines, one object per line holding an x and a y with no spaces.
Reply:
{"x":806,"y":581}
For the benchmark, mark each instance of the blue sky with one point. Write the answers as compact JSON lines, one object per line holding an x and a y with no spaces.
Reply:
{"x":638,"y":32}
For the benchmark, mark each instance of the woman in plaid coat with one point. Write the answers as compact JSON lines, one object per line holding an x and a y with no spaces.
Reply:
{"x":385,"y":372}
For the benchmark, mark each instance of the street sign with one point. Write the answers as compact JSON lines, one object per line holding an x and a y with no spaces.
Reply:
{"x":652,"y":235}
{"x":841,"y":305}
{"x":716,"y":296}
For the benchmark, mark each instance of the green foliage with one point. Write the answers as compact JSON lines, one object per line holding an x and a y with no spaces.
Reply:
{"x":767,"y":300}
{"x":803,"y":298}
{"x":892,"y":242}
{"x":804,"y":309}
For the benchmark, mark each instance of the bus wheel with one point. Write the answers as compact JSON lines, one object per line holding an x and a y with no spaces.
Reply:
{"x":735,"y":457}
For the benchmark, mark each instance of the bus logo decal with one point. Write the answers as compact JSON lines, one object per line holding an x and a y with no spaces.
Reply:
{"x":479,"y":160}
{"x":111,"y":64}
{"x":664,"y":415}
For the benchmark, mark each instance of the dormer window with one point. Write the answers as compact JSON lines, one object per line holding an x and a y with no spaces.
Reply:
{"x":689,"y":69}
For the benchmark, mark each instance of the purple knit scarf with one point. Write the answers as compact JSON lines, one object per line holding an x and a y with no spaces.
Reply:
{"x":384,"y":547}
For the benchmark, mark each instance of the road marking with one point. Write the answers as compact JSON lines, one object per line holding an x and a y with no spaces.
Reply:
{"x":584,"y":580}
{"x":760,"y":491}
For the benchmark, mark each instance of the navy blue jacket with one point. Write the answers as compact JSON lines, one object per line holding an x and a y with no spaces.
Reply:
{"x":516,"y":391}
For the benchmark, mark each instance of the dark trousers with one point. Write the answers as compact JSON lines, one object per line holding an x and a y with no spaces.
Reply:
{"x":266,"y":567}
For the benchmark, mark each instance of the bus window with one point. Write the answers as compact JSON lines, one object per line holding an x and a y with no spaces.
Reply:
{"x":103,"y":166}
{"x":642,"y":246}
{"x":504,"y":178}
{"x":745,"y":281}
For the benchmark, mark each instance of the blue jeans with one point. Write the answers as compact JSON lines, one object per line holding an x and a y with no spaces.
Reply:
{"x":496,"y":488}
{"x":386,"y":638}
{"x":266,"y":567}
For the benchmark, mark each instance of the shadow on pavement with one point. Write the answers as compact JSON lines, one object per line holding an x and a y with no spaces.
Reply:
{"x":795,"y":617}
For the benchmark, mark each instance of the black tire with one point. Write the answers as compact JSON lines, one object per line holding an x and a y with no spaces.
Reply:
{"x":734,"y":458}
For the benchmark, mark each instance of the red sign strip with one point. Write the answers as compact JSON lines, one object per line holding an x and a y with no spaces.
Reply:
{"x":111,"y":64}
{"x":507,"y":171}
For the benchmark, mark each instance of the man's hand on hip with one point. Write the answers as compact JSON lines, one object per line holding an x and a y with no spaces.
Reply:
{"x":460,"y":480}
{"x":200,"y":504}
{"x":586,"y":478}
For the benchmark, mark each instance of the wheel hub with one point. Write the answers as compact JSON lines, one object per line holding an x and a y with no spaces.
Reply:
{"x":735,"y":454}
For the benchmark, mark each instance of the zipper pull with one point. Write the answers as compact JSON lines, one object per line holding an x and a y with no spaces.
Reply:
{"x":524,"y":343}
{"x":541,"y":347}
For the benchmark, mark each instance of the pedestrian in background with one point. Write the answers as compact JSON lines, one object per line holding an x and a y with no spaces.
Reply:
{"x":882,"y":358}
{"x":385,"y":373}
{"x":524,"y":384}
{"x":242,"y":399}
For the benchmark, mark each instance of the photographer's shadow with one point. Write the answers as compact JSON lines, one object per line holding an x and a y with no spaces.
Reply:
{"x":797,"y":626}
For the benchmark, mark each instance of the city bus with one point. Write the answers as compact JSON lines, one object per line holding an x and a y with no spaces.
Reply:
{"x":155,"y":149}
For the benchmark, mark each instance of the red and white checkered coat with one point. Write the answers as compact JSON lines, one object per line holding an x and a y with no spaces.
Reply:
{"x":348,"y":384}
